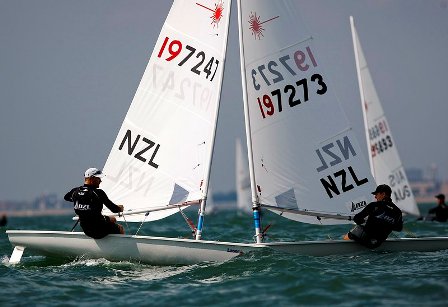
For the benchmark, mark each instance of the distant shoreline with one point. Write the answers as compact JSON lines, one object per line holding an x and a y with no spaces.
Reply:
{"x":56,"y":212}
{"x":25,"y":213}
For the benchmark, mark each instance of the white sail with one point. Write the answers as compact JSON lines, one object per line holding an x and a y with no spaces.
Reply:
{"x":243,"y":193}
{"x":162,"y":154}
{"x":385,"y":161}
{"x":303,"y":152}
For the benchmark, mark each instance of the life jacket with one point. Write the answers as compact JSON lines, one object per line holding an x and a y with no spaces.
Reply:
{"x":86,"y":203}
{"x":383,"y":220}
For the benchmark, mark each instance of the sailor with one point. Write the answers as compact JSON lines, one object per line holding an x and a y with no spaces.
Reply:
{"x":377,"y":220}
{"x":440,"y":213}
{"x":88,"y":201}
{"x":3,"y":220}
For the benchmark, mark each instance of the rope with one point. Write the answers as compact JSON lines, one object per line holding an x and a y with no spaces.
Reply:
{"x":141,"y":224}
{"x":263,"y":233}
{"x":73,"y":228}
{"x":122,"y":214}
{"x":189,"y":222}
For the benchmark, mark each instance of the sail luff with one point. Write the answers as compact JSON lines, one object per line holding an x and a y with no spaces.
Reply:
{"x":210,"y":160}
{"x":361,"y":93}
{"x":246,"y":109}
{"x":255,"y":203}
{"x":221,"y":77}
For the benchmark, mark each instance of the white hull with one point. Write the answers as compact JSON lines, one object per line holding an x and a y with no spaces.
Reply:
{"x":145,"y":249}
{"x":338,"y":247}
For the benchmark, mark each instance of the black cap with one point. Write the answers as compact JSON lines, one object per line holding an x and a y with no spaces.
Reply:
{"x":383,"y":188}
{"x":440,"y":196}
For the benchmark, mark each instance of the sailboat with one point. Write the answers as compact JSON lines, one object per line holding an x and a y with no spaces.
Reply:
{"x":384,"y":159}
{"x":304,"y":159}
{"x":161,"y":159}
{"x":243,"y":193}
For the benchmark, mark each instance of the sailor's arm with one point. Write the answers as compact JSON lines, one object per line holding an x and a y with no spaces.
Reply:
{"x":108,"y":203}
{"x":69,"y":195}
{"x":361,"y":216}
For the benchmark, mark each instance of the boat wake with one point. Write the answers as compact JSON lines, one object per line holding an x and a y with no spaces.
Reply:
{"x":5,"y":260}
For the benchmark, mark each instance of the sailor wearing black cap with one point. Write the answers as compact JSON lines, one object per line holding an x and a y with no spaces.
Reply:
{"x":377,"y":220}
{"x":439,"y":213}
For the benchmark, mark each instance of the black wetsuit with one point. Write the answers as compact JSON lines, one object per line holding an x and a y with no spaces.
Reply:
{"x":3,"y":221}
{"x":88,"y":202}
{"x":440,"y":212}
{"x":382,"y":218}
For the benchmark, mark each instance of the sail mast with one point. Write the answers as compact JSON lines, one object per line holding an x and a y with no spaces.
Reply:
{"x":209,"y":162}
{"x":361,"y":93}
{"x":255,"y":202}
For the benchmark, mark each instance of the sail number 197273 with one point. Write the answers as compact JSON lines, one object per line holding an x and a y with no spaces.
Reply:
{"x":267,"y":106}
{"x":296,"y":93}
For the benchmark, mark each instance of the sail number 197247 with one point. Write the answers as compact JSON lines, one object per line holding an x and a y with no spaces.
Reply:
{"x":175,"y":48}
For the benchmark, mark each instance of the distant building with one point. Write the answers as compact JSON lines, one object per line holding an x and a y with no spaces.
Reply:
{"x":414,"y":174}
{"x":46,"y":204}
{"x":425,"y":185}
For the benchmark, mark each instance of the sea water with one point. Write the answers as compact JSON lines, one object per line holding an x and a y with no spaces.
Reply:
{"x":261,"y":278}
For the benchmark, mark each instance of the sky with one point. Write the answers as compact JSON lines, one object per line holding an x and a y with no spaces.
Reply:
{"x":69,"y":71}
